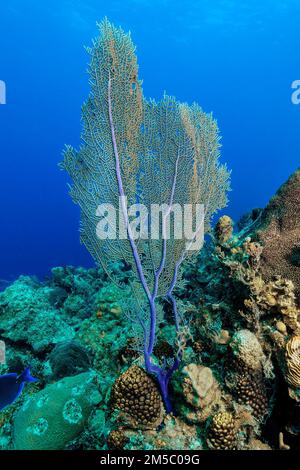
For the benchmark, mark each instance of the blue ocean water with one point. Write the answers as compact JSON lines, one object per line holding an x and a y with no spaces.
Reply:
{"x":235,"y":58}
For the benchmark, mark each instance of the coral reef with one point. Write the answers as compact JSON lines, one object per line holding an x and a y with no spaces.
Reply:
{"x":247,"y":349}
{"x":250,"y":390}
{"x":174,"y":433}
{"x":239,"y":383}
{"x":223,"y":230}
{"x":117,"y":439}
{"x":276,"y":295}
{"x":24,"y":307}
{"x":256,"y":444}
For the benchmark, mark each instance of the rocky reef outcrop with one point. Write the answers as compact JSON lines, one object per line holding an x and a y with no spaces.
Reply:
{"x":279,"y":233}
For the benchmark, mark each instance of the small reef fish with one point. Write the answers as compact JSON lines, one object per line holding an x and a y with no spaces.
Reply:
{"x":11,"y":386}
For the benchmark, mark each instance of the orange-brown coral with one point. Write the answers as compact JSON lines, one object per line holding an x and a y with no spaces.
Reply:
{"x":136,"y":395}
{"x":222,"y":431}
{"x":250,"y":390}
{"x":223,"y":229}
{"x":256,"y":444}
{"x":276,"y":295}
{"x":117,"y":439}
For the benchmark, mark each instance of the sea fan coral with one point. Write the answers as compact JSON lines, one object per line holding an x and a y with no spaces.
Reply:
{"x":161,"y":155}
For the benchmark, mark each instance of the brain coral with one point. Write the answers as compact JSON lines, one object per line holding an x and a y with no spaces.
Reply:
{"x":53,"y":417}
{"x":247,"y":349}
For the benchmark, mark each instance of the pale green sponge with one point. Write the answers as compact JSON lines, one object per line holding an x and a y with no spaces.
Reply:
{"x":53,"y":417}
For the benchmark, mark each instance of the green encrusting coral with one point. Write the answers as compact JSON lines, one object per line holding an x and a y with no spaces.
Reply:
{"x":56,"y":415}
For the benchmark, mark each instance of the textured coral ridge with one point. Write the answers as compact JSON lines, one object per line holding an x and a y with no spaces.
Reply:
{"x":239,"y":383}
{"x":280,"y":233}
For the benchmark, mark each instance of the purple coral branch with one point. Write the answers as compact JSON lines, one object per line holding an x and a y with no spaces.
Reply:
{"x":175,"y":275}
{"x":122,"y":195}
{"x":164,"y":247}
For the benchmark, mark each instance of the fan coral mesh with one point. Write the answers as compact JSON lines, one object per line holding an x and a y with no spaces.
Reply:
{"x":138,"y":151}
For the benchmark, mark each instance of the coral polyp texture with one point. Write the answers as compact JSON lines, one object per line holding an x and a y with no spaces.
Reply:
{"x":117,"y":439}
{"x":222,"y":432}
{"x":136,"y":394}
{"x":251,"y":391}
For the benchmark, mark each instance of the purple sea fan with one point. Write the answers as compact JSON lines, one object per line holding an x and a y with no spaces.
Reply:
{"x":156,"y":161}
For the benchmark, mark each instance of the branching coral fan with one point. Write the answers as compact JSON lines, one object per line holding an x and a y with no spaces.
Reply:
{"x":138,"y":151}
